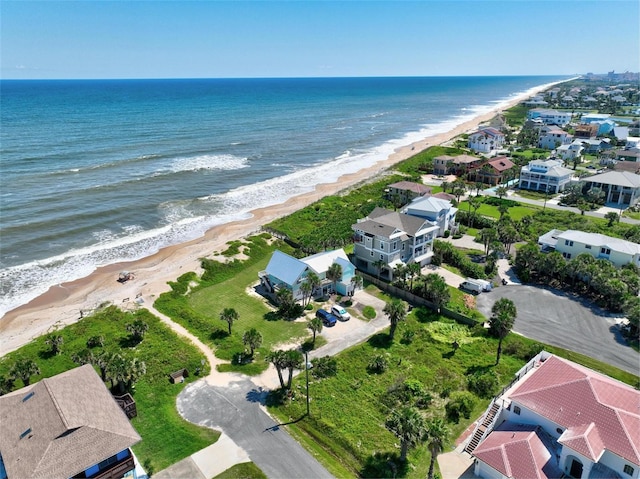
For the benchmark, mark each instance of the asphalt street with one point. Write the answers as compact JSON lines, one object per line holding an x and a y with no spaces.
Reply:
{"x":236,"y":410}
{"x":555,"y":318}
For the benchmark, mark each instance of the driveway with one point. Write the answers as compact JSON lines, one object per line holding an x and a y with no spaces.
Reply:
{"x":237,"y":409}
{"x":555,"y":318}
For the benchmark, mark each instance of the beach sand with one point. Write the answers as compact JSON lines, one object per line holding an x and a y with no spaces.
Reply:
{"x":67,"y":303}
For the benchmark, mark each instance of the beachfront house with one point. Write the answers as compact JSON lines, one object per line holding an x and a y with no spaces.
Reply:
{"x":493,"y":172}
{"x":441,"y":164}
{"x":486,"y":140}
{"x":404,"y":191}
{"x":65,"y":426}
{"x":439,"y":211}
{"x":571,"y":243}
{"x":545,"y":175}
{"x":285,"y":271}
{"x":551,"y":137}
{"x":622,"y":188}
{"x":385,"y":239}
{"x":559,"y":419}
{"x":549,"y":117}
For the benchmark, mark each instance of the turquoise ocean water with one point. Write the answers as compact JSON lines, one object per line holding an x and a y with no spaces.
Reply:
{"x":95,"y":172}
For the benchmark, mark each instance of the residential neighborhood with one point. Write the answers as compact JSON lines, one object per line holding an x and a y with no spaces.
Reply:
{"x":399,"y":328}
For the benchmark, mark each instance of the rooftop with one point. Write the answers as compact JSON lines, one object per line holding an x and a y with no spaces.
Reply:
{"x":61,"y":426}
{"x":617,"y":178}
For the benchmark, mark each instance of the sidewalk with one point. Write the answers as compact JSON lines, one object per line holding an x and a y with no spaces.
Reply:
{"x":208,"y":462}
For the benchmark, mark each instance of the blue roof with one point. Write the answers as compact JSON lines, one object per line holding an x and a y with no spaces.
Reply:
{"x":284,"y":267}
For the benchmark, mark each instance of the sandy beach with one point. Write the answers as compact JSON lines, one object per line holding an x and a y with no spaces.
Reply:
{"x":69,"y":302}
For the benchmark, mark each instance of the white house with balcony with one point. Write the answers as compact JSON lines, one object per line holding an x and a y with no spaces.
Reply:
{"x":622,"y":188}
{"x":551,"y":137}
{"x":559,"y":419}
{"x":549,"y":117}
{"x":545,"y":175}
{"x":439,"y":211}
{"x":571,"y":243}
{"x":385,"y":239}
{"x":570,"y":152}
{"x":486,"y":140}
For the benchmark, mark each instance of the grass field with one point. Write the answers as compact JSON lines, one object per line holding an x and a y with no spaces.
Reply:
{"x":166,"y":437}
{"x":199,"y":311}
{"x":348,"y":411}
{"x":515,"y":212}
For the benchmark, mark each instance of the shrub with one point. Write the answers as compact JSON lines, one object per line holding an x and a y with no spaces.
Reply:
{"x":324,"y":367}
{"x":484,"y":384}
{"x":378,"y":364}
{"x":407,"y":336}
{"x":516,"y":347}
{"x":446,"y":381}
{"x":95,"y":341}
{"x":368,"y":312}
{"x":460,"y":404}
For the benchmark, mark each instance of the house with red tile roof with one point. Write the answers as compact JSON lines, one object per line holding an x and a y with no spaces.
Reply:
{"x":405,"y":191}
{"x":495,"y":171}
{"x":560,"y":418}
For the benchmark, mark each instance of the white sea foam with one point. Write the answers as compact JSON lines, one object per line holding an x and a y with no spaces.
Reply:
{"x":208,"y":162}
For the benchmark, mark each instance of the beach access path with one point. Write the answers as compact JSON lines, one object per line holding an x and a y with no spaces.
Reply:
{"x":235,"y":404}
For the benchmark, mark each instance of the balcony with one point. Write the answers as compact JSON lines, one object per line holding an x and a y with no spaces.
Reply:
{"x":113,"y":471}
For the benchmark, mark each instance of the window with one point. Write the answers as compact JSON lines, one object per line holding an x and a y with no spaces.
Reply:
{"x":587,"y":246}
{"x":559,"y":431}
{"x":371,"y":253}
{"x":568,"y":243}
{"x":403,"y":245}
{"x":628,"y":469}
{"x":605,"y":250}
{"x":516,"y":410}
{"x":395,"y":245}
{"x":381,"y":245}
{"x":381,"y":256}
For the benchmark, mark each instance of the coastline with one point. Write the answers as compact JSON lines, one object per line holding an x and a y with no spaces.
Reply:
{"x":68,"y":302}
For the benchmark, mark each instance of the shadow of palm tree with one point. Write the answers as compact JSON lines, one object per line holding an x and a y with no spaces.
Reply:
{"x":383,"y":465}
{"x":257,"y":395}
{"x":380,"y":340}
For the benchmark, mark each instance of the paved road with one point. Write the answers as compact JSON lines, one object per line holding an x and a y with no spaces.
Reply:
{"x":236,"y":409}
{"x":556,"y":318}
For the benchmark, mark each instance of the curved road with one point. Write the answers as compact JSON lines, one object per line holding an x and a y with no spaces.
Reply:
{"x":237,"y":410}
{"x":553,"y":317}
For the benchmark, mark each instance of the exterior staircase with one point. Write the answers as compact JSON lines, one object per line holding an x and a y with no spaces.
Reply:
{"x":484,"y":427}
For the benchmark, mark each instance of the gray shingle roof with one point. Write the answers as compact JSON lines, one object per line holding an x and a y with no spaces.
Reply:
{"x":382,"y":222}
{"x":61,"y":426}
{"x":618,"y":178}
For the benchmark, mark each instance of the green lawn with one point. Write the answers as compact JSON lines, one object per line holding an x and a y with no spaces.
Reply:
{"x":166,"y":437}
{"x":348,"y":411}
{"x":515,"y":212}
{"x":199,"y":311}
{"x":245,"y":470}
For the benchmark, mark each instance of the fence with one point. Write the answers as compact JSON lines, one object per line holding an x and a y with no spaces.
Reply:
{"x":416,"y":300}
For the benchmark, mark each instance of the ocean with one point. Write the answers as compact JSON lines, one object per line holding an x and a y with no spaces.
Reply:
{"x":97,"y":172}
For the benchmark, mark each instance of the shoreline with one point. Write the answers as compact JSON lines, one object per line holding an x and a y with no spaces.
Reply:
{"x":67,"y":303}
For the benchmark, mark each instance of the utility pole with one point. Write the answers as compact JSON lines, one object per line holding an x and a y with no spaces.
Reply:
{"x":306,"y":368}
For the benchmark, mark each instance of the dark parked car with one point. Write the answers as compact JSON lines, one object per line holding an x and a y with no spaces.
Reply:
{"x":327,"y":318}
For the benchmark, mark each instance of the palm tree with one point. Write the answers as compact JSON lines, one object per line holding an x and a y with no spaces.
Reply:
{"x":293,"y":360}
{"x":229,"y":315}
{"x":413,"y":270}
{"x":501,"y":191}
{"x":436,"y":290}
{"x":502,"y":209}
{"x":252,"y":339}
{"x":409,"y":426}
{"x":437,"y":435}
{"x":23,"y":369}
{"x":503,"y":316}
{"x":54,"y":341}
{"x":396,"y":312}
{"x":137,"y":329}
{"x":488,"y":235}
{"x":378,"y":264}
{"x":611,"y":217}
{"x":315,"y":325}
{"x":278,"y":359}
{"x":356,"y":281}
{"x":334,"y":274}
{"x":309,"y":285}
{"x":475,"y":202}
{"x":400,"y":272}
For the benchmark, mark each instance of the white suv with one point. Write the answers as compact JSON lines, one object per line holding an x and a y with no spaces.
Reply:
{"x":340,"y":312}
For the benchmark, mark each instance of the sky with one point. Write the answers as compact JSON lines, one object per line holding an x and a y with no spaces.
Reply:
{"x":238,"y":39}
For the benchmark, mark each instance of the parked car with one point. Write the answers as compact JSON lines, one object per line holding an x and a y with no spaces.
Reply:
{"x":327,"y":318}
{"x":472,"y":288}
{"x":340,"y":313}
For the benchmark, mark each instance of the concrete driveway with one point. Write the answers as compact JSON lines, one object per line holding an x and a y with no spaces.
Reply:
{"x":553,"y":317}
